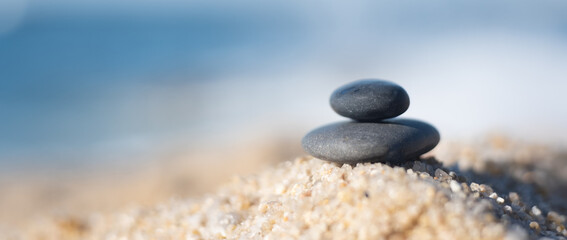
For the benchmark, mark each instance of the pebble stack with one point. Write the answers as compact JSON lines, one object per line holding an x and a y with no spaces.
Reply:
{"x":374,"y":134}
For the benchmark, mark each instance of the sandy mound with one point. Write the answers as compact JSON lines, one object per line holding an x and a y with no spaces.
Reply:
{"x":499,"y":195}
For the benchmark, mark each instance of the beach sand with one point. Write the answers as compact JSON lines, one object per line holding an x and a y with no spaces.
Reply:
{"x":490,"y":189}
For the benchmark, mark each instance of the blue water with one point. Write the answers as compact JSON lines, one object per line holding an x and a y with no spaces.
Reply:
{"x":57,"y":73}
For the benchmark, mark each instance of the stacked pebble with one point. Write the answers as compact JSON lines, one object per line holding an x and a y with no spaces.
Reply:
{"x":373,"y":136}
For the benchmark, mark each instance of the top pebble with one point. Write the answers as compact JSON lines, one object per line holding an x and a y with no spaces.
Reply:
{"x":370,"y":100}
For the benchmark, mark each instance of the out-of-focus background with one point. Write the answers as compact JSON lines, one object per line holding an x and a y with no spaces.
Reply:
{"x":105,"y":103}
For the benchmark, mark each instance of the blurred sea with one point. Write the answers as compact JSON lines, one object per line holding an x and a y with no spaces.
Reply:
{"x":76,"y":86}
{"x":107,"y":82}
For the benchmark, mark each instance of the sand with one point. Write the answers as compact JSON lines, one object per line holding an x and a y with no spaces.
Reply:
{"x":495,"y":189}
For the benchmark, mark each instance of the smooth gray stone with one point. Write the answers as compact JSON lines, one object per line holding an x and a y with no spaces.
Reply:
{"x":394,"y":140}
{"x":370,"y":100}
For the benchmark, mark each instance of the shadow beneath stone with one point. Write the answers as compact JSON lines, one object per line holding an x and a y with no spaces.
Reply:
{"x":535,"y":186}
{"x":546,"y":191}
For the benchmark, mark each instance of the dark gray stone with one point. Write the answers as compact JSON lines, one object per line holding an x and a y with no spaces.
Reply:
{"x":370,"y":100}
{"x":394,"y":140}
